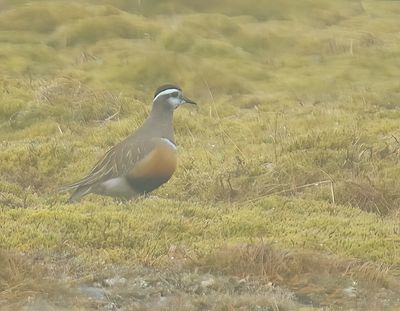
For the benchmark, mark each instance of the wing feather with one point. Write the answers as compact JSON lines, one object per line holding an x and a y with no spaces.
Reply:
{"x":117,"y":161}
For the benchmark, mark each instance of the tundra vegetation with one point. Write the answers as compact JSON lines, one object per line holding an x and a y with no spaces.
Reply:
{"x":287,"y":194}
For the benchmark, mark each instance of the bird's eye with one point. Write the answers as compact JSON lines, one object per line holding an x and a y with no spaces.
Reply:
{"x":174,"y":94}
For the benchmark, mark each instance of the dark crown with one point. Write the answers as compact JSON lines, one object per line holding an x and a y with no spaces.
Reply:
{"x":166,"y":87}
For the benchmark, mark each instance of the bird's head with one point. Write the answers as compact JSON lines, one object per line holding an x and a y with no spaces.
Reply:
{"x":170,"y":96}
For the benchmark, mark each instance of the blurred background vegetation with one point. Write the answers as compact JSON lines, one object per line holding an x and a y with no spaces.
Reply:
{"x":296,"y":140}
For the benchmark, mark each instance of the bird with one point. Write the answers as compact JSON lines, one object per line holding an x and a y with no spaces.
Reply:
{"x":143,"y":161}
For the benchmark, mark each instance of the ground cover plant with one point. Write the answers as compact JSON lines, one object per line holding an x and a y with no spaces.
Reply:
{"x":286,"y":194}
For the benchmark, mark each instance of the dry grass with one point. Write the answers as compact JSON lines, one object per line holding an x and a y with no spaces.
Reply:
{"x":231,"y":278}
{"x":265,"y":262}
{"x":20,"y":277}
{"x":322,"y":278}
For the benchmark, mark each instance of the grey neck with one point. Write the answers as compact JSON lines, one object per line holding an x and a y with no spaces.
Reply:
{"x":160,"y":121}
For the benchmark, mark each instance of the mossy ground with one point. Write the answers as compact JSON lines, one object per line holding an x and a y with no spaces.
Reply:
{"x":295,"y":143}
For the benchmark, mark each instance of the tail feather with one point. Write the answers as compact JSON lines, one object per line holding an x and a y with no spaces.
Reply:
{"x":79,"y":193}
{"x":73,"y":186}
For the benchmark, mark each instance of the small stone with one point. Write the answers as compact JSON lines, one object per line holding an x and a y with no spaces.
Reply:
{"x":208,"y":283}
{"x":115,"y":281}
{"x":350,"y":291}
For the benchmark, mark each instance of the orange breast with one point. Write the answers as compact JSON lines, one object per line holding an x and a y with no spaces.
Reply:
{"x":160,"y":162}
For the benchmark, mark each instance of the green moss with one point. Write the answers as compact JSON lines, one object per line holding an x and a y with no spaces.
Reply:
{"x":154,"y":225}
{"x":90,"y":30}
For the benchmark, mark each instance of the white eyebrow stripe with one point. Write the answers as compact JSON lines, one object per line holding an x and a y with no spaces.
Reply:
{"x":165,"y":92}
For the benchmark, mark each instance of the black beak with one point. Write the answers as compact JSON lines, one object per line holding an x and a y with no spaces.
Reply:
{"x":188,"y":101}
